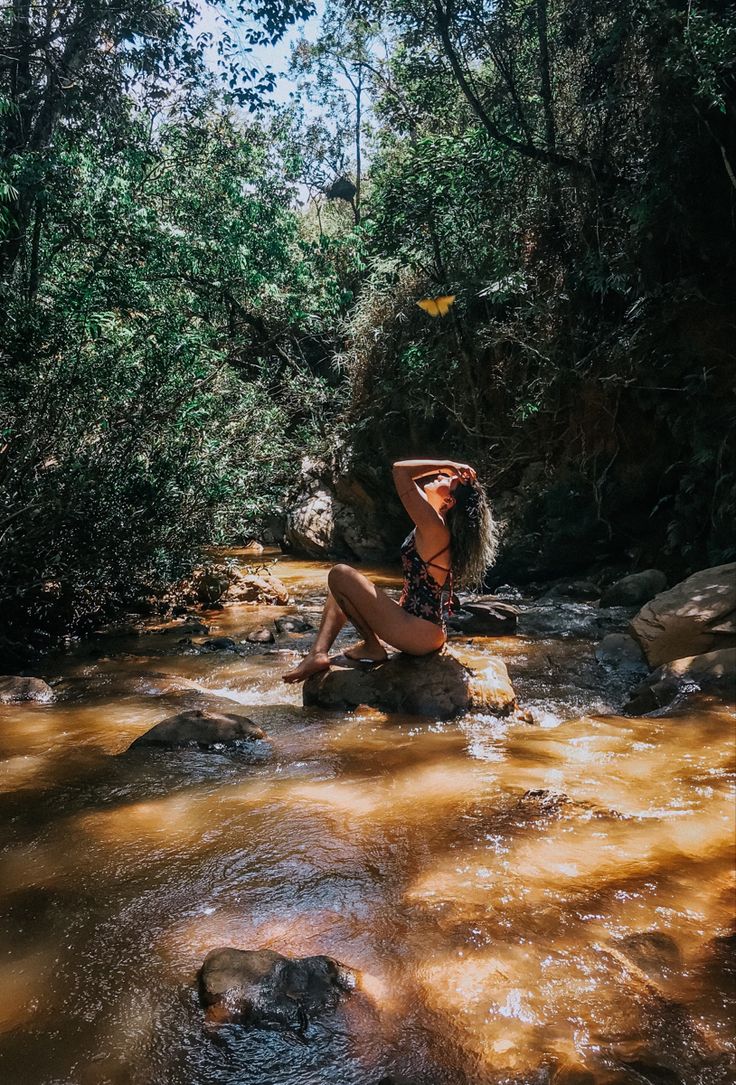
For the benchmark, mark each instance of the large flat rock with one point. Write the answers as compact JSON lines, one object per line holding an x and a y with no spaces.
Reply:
{"x":696,"y":616}
{"x":437,"y":685}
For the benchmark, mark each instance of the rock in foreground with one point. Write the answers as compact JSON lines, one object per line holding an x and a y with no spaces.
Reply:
{"x":200,"y":728}
{"x":437,"y":685}
{"x":711,"y":673}
{"x":697,"y":616}
{"x":263,"y":988}
{"x":14,"y":689}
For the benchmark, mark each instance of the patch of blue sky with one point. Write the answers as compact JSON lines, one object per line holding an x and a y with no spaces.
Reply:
{"x":263,"y":57}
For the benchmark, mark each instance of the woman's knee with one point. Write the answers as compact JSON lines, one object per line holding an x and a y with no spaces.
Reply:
{"x":339,"y":575}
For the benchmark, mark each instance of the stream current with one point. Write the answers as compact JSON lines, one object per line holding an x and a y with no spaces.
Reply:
{"x":525,"y":902}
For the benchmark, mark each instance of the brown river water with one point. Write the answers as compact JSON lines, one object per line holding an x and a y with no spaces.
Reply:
{"x":546,"y":902}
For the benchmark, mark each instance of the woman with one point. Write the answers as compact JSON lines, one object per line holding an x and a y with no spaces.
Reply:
{"x":453,"y":542}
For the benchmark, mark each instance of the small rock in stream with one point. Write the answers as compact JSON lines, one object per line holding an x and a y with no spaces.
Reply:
{"x":263,"y":988}
{"x":14,"y":689}
{"x":261,"y":636}
{"x":292,"y":623}
{"x":219,"y":644}
{"x":574,"y":590}
{"x":201,"y":729}
{"x":634,"y":590}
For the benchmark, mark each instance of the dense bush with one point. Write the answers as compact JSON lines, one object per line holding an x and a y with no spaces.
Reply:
{"x":165,"y":324}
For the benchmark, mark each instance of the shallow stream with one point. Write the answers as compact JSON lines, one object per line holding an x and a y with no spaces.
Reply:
{"x":527,"y":902}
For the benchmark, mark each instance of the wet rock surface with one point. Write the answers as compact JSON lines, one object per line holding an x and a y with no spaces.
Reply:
{"x":485,"y":617}
{"x":257,"y":588}
{"x":571,"y":620}
{"x":219,"y":644}
{"x":221,"y":585}
{"x":696,"y":616}
{"x":15,"y":689}
{"x":262,"y":988}
{"x":620,"y":651}
{"x":438,"y":685}
{"x":200,"y":728}
{"x":710,"y":673}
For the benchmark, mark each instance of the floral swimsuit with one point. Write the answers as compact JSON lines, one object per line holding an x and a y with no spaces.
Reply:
{"x":422,"y":595}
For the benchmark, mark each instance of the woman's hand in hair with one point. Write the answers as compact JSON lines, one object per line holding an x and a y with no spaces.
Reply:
{"x":463,"y":471}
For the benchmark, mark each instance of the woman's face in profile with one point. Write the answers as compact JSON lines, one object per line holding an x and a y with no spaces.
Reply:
{"x":442,"y":488}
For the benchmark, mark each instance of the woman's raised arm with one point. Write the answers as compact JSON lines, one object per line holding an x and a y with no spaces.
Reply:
{"x":408,"y":473}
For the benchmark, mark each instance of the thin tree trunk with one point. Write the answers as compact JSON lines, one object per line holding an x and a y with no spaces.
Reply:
{"x":358,"y":163}
{"x":546,"y":79}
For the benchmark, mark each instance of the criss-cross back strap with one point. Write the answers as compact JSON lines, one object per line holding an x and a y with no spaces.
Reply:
{"x":431,"y":561}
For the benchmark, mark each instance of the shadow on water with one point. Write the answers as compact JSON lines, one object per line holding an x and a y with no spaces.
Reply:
{"x":536,"y":904}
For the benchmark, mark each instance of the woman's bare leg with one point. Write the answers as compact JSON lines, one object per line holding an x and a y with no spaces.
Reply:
{"x":317,"y":659}
{"x":375,"y":615}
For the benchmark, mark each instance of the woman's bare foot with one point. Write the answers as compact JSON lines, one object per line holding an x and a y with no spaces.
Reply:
{"x":372,"y":650}
{"x":312,"y":663}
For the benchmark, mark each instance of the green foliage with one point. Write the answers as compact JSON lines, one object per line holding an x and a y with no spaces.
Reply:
{"x":166,"y":332}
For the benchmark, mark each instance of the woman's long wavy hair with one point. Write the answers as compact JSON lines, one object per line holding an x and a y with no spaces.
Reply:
{"x":473,"y":534}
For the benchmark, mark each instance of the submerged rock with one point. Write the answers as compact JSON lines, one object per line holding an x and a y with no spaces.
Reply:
{"x":263,"y":988}
{"x":436,"y":685}
{"x":654,"y":952}
{"x":634,"y":590}
{"x":14,"y":689}
{"x":293,"y":623}
{"x":711,"y":672}
{"x":198,"y":727}
{"x":696,"y":616}
{"x":485,"y":617}
{"x":619,"y":651}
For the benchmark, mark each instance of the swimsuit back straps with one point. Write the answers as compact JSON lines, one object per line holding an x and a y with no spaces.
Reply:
{"x":422,"y":595}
